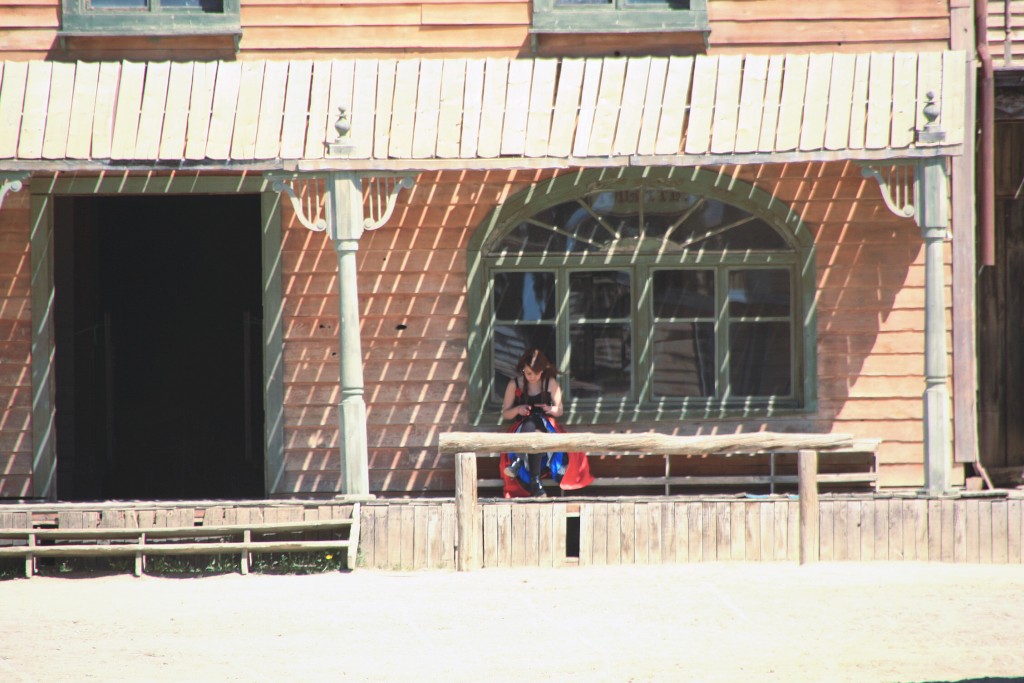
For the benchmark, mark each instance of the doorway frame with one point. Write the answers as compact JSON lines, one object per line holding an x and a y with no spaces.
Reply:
{"x":43,"y":191}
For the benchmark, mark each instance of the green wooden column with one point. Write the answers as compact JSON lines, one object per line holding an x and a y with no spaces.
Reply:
{"x":930,"y":210}
{"x":932,"y":215}
{"x":345,"y":226}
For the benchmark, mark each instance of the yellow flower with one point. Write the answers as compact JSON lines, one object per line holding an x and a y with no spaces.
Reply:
{"x":329,"y":556}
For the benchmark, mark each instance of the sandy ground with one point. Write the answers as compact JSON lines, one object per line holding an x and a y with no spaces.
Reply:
{"x":703,"y":622}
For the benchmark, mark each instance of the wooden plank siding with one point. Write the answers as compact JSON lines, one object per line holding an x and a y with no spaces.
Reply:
{"x":1005,"y":25}
{"x":412,"y":285}
{"x":15,"y":348}
{"x":286,"y":29}
{"x":406,"y":535}
{"x":254,"y":112}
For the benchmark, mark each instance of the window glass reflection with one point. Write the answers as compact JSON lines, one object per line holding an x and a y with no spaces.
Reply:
{"x":524,"y":296}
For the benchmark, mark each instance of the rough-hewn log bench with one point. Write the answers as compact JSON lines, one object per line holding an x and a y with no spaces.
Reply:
{"x":466,"y":446}
{"x":188,"y":540}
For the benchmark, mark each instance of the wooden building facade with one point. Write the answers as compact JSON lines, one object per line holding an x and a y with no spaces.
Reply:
{"x":277,"y":253}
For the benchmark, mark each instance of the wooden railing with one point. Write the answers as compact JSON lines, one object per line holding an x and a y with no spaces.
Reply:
{"x":466,"y":445}
{"x":143,"y":542}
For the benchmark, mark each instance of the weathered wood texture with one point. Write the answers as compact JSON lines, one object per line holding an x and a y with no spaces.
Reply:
{"x":1005,"y":23}
{"x":472,"y":442}
{"x":496,"y":27}
{"x":402,"y":535}
{"x":249,"y":112}
{"x":680,"y":530}
{"x":412,"y":280}
{"x":15,"y":348}
{"x":1001,"y":313}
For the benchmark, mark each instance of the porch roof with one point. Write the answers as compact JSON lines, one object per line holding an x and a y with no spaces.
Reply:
{"x":422,"y":114}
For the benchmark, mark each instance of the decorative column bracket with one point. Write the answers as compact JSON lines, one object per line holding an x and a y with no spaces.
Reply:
{"x":11,"y":182}
{"x":382,"y":198}
{"x":897,"y":184}
{"x":312,"y":214}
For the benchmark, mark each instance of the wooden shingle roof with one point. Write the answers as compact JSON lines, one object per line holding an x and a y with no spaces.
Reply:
{"x":436,"y":113}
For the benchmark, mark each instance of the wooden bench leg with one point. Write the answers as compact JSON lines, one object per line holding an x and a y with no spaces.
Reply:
{"x":465,"y":511}
{"x":807,"y":483}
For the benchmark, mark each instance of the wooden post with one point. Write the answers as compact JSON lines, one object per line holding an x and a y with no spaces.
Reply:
{"x":246,"y":540}
{"x":807,"y":487}
{"x":933,"y":218}
{"x":465,"y":511}
{"x":30,"y":559}
{"x":345,"y":215}
{"x":139,"y":555}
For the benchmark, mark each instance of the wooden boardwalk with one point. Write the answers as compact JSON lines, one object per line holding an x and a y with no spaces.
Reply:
{"x":565,"y":532}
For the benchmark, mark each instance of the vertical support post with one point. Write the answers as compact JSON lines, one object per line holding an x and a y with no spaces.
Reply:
{"x":345,"y":223}
{"x":30,"y":558}
{"x":807,"y":487}
{"x":933,"y":219}
{"x":140,"y":558}
{"x":465,"y":511}
{"x":246,"y":541}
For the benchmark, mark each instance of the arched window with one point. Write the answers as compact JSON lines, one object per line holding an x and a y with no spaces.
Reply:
{"x":671,"y":294}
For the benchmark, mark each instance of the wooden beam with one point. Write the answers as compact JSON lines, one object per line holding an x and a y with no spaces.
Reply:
{"x":463,"y":442}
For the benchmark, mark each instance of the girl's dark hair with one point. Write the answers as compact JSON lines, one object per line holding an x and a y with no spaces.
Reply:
{"x":536,"y":360}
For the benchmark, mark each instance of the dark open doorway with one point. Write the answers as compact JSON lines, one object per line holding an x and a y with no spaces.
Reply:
{"x":158,"y":316}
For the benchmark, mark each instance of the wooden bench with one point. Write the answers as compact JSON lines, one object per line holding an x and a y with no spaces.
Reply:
{"x":847,"y":467}
{"x":466,"y":446}
{"x":186,"y":540}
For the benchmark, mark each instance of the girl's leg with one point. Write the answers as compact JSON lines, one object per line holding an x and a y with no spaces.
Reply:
{"x":536,"y":465}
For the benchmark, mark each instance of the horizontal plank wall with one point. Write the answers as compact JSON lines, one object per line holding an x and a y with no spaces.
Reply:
{"x":682,"y":530}
{"x":15,"y":348}
{"x":1005,"y":24}
{"x":412,"y":288}
{"x":284,"y":28}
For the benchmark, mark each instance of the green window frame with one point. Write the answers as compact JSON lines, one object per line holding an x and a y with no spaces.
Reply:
{"x":150,"y":17}
{"x":610,"y":16}
{"x":651,"y":324}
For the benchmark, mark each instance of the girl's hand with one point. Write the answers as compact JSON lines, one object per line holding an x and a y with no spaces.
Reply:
{"x":524,"y":410}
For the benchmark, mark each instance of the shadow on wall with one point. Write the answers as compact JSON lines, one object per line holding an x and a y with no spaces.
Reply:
{"x":869,"y":306}
{"x":412,"y":307}
{"x":412,"y":298}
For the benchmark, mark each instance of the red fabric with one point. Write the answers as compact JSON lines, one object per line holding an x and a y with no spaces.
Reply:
{"x":577,"y":468}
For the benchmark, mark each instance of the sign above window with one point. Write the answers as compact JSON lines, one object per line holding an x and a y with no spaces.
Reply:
{"x":619,"y":16}
{"x":150,"y":17}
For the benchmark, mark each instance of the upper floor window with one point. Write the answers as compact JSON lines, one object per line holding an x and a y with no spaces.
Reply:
{"x":150,"y":17}
{"x":655,"y":297}
{"x":603,"y":16}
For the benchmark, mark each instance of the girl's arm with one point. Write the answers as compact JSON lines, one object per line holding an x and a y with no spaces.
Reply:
{"x":509,"y":411}
{"x":555,"y":409}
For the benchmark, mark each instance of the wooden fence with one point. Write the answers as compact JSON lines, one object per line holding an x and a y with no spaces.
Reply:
{"x":557,"y":532}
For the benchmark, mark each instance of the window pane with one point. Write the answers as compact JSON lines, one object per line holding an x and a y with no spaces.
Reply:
{"x":684,"y":293}
{"x":511,"y":342}
{"x":600,"y":361}
{"x":119,"y":4}
{"x":527,"y":238}
{"x":570,"y":3}
{"x":524,"y":296}
{"x":599,"y":294}
{"x":759,"y":293}
{"x":671,"y":4}
{"x":684,"y":360}
{"x":760,"y":359}
{"x":211,"y":6}
{"x":716,"y":226}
